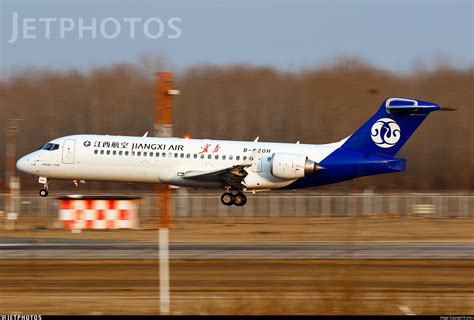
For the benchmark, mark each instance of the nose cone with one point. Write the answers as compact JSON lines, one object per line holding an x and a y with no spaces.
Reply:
{"x":23,"y":164}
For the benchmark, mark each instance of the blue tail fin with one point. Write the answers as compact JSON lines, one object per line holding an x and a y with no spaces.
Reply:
{"x":391,"y":126}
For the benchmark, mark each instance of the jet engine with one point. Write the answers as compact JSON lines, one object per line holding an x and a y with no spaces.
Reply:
{"x":292,"y":166}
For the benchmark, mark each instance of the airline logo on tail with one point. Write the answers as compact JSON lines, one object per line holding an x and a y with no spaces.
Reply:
{"x":385,"y":133}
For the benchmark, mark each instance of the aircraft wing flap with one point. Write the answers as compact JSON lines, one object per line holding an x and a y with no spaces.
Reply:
{"x":231,"y":176}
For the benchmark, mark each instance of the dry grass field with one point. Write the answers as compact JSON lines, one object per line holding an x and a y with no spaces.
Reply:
{"x":238,"y":287}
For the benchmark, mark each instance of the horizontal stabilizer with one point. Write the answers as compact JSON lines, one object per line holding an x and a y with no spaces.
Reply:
{"x":409,"y":105}
{"x":447,"y":109}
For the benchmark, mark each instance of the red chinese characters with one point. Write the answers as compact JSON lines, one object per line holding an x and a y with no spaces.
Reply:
{"x":205,"y":148}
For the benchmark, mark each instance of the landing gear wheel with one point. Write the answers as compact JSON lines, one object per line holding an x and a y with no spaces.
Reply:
{"x":43,"y":193}
{"x":227,"y":199}
{"x":240,"y":199}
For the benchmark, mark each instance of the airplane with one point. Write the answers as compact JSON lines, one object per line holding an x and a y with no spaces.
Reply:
{"x":234,"y":166}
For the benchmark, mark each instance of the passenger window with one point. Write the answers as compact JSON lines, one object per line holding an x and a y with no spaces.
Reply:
{"x":126,"y":153}
{"x":237,"y":158}
{"x":181,"y":155}
{"x":96,"y":151}
{"x":244,"y":158}
{"x":231,"y":157}
{"x":101,"y":151}
{"x":120,"y":152}
{"x":163,"y":154}
{"x":202,"y":156}
{"x":139,"y":153}
{"x":195,"y":156}
{"x":114,"y":152}
{"x":209,"y":156}
{"x":108,"y":152}
{"x":216,"y":157}
{"x":170,"y":155}
{"x":223,"y":157}
{"x":145,"y":154}
{"x":188,"y":156}
{"x":157,"y":155}
{"x":175,"y":155}
{"x":133,"y":153}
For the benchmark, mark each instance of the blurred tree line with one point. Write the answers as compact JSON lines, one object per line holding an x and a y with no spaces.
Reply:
{"x":241,"y":102}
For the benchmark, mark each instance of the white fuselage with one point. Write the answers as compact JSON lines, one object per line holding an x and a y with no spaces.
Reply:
{"x":166,"y":160}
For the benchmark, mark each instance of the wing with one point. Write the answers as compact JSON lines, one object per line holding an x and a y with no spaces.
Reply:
{"x":231,"y":176}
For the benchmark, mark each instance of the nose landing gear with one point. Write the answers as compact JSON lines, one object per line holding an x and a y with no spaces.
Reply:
{"x":43,"y":192}
{"x":239,"y":199}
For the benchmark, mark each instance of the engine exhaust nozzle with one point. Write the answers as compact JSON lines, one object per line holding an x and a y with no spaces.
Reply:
{"x":311,"y":167}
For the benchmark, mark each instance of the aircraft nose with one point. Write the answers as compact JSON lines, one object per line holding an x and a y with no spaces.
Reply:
{"x":23,"y":164}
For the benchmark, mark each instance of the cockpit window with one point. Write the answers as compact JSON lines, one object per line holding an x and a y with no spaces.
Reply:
{"x":50,"y":146}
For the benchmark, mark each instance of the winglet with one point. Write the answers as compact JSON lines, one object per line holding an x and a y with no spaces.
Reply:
{"x":146,"y":134}
{"x":256,"y":139}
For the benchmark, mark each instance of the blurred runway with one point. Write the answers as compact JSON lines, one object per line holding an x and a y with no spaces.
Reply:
{"x":107,"y":249}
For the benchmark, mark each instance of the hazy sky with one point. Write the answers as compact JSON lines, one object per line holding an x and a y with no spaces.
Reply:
{"x":287,"y":34}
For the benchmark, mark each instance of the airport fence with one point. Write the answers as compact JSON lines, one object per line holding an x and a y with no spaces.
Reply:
{"x":43,"y":212}
{"x":325,"y":205}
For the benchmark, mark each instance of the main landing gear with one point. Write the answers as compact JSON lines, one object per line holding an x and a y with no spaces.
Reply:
{"x":43,"y":192}
{"x":239,"y":199}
